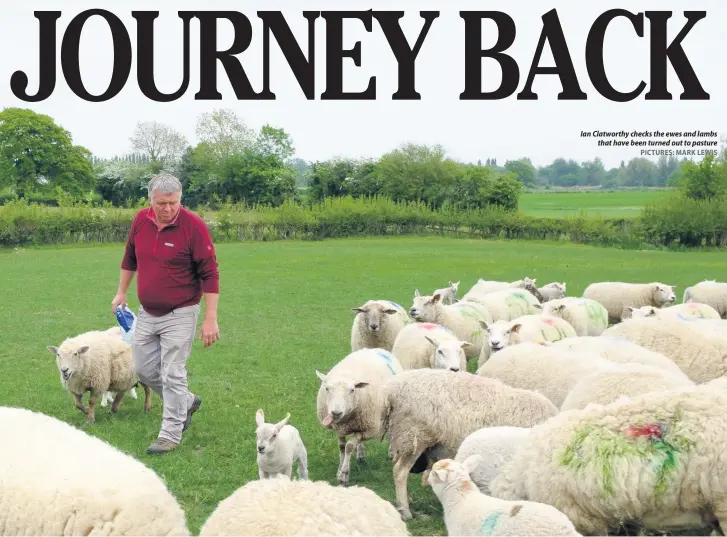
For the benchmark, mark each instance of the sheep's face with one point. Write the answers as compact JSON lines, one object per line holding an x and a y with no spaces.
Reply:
{"x":554,"y":309}
{"x":448,"y":354}
{"x":498,"y":334}
{"x":68,"y":359}
{"x":424,"y":307}
{"x":454,"y":286}
{"x":664,"y":294}
{"x":643,"y":312}
{"x":446,"y":473}
{"x":555,"y":290}
{"x":267,"y":433}
{"x":341,"y":397}
{"x":374,"y":315}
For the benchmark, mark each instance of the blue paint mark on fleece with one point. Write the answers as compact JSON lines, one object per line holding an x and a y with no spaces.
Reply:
{"x":489,"y":523}
{"x":387,"y":358}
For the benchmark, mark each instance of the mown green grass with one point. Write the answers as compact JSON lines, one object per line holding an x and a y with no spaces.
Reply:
{"x":625,"y":203}
{"x":285,"y":310}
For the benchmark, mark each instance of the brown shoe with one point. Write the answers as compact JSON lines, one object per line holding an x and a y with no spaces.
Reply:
{"x":195,"y":406}
{"x":161,"y":446}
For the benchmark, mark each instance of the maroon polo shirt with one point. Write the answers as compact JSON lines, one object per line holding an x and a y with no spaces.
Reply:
{"x":175,"y":264}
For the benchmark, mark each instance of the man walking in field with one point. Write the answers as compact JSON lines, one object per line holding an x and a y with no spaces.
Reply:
{"x":171,"y":249}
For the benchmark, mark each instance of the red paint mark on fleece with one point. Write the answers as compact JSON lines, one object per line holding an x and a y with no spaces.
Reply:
{"x":427,"y":326}
{"x":548,"y":321}
{"x":692,"y":306}
{"x":652,"y":431}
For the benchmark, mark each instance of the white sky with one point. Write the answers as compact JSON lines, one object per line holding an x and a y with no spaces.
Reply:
{"x":469,"y":130}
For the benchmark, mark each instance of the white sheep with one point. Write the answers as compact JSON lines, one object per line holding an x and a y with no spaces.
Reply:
{"x":709,"y":292}
{"x":376,"y":325}
{"x":587,"y":317}
{"x":279,"y":506}
{"x":700,"y":354}
{"x":690,"y":310}
{"x":349,"y":401}
{"x":607,"y":384}
{"x":654,"y":459}
{"x":548,"y":370}
{"x":55,"y":479}
{"x":448,"y":294}
{"x":429,"y":345}
{"x":527,"y":328}
{"x":424,"y":408}
{"x":279,"y":448}
{"x":495,"y":445}
{"x":467,"y":511}
{"x":462,"y":318}
{"x":618,"y":350}
{"x":615,"y":296}
{"x":97,"y":361}
{"x":484,"y":287}
{"x":552,"y":291}
{"x":509,"y":304}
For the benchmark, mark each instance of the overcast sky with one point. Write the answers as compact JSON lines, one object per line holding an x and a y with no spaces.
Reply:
{"x":469,"y":130}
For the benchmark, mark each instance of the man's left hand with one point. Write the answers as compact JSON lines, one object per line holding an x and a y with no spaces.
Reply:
{"x":210,"y":332}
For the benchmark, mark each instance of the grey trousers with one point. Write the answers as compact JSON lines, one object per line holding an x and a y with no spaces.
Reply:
{"x":161,"y":346}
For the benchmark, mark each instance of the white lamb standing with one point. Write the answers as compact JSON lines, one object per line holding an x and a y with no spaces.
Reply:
{"x":708,"y":292}
{"x":607,"y":384}
{"x":587,"y":317}
{"x":429,"y":345}
{"x":281,"y":507}
{"x":509,"y":304}
{"x":615,"y":296}
{"x":525,"y":329}
{"x":548,"y":370}
{"x":97,"y":361}
{"x":552,"y":291}
{"x":654,"y":459}
{"x":495,"y":446}
{"x":684,"y":312}
{"x":448,"y":294}
{"x":55,"y":479}
{"x":349,"y":401}
{"x":462,"y":318}
{"x":428,"y":408}
{"x":376,"y":325}
{"x":467,"y":511}
{"x":279,"y":448}
{"x":700,"y":354}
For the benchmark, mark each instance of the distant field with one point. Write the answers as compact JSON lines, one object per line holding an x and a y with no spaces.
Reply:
{"x":607,"y":204}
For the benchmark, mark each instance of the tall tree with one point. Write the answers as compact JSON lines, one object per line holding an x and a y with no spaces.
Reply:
{"x":159,"y":141}
{"x":224,"y":133}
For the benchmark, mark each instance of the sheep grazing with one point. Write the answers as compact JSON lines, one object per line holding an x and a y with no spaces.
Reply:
{"x":528,"y":328}
{"x":508,"y":304}
{"x":376,"y":325}
{"x":448,"y":294}
{"x":55,"y":479}
{"x":467,"y":511}
{"x":654,"y":460}
{"x":708,"y":292}
{"x":552,"y":291}
{"x":424,"y":408}
{"x":279,"y":506}
{"x":349,"y":401}
{"x":97,"y":362}
{"x":685,"y":312}
{"x":462,"y":318}
{"x":607,"y":384}
{"x":495,"y":445}
{"x":279,"y":448}
{"x":429,"y":345}
{"x":700,"y":354}
{"x":587,"y":317}
{"x":615,"y":296}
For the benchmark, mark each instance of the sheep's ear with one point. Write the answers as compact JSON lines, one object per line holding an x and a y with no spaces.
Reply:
{"x":484,"y":325}
{"x":321,"y":376}
{"x":282,"y":422}
{"x":516,"y":328}
{"x":416,"y":292}
{"x":358,"y":310}
{"x":465,"y":344}
{"x":360,"y":384}
{"x":53,"y":350}
{"x":436,"y":297}
{"x":430,"y":340}
{"x":441,"y":475}
{"x":391,"y":311}
{"x":471,"y":462}
{"x":259,"y":417}
{"x":559,"y":308}
{"x":83,"y":349}
{"x":538,"y":306}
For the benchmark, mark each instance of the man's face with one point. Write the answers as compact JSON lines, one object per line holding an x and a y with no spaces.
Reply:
{"x":165,"y":206}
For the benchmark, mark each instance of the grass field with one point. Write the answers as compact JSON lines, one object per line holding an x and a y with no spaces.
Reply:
{"x":285,"y":310}
{"x":606,"y":204}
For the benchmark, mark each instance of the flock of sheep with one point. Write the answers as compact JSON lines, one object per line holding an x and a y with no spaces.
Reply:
{"x":584,"y":415}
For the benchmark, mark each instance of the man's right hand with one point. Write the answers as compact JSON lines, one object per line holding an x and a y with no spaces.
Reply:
{"x":119,"y":300}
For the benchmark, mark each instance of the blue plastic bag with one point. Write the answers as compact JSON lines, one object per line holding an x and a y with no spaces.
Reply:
{"x":127,"y":321}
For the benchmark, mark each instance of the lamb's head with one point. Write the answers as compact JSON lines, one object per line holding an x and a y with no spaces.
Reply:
{"x":69,"y":357}
{"x":498,"y":333}
{"x":454,"y":286}
{"x":554,"y":309}
{"x":555,"y":289}
{"x":448,"y":354}
{"x":267,"y":433}
{"x":424,"y":308}
{"x":630,"y":312}
{"x":663,"y":294}
{"x":448,"y":473}
{"x":374,"y":314}
{"x":341,"y":397}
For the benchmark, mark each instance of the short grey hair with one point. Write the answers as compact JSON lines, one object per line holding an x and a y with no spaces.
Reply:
{"x":164,"y":183}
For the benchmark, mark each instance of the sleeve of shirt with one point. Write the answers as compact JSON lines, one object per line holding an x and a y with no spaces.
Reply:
{"x":129,"y":260}
{"x":205,"y":258}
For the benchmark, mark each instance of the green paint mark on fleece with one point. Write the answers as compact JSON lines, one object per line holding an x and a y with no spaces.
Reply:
{"x":596,"y":313}
{"x":598,"y":448}
{"x":387,"y":358}
{"x":489,"y":523}
{"x":468,"y":310}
